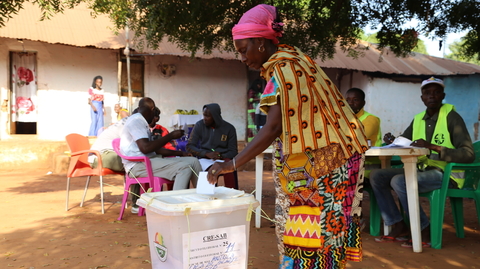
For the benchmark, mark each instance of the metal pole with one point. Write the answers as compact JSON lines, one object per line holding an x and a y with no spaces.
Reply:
{"x":127,"y":53}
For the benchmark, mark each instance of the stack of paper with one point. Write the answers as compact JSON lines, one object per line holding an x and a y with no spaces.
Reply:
{"x":399,"y":142}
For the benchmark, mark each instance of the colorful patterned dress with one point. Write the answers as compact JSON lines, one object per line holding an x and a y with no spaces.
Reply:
{"x":318,"y":165}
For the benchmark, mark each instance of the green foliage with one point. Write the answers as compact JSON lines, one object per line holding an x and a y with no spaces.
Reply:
{"x":315,"y":26}
{"x":421,"y":48}
{"x":372,"y":38}
{"x":9,"y":8}
{"x":458,"y":53}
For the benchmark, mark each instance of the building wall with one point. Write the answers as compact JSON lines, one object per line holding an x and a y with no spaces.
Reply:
{"x":464,"y":93}
{"x":396,"y":103}
{"x":65,"y":73}
{"x":196,"y":83}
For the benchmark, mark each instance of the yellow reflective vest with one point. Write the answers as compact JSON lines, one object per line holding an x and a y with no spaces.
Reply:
{"x":441,"y":137}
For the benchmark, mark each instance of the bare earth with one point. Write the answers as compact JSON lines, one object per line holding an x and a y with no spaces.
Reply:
{"x":36,"y":231}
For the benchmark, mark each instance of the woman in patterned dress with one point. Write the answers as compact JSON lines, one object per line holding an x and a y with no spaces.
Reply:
{"x":319,"y":146}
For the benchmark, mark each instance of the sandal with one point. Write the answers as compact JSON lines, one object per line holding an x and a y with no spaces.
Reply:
{"x":385,"y":239}
{"x":402,"y":238}
{"x":389,"y":239}
{"x":409,"y":244}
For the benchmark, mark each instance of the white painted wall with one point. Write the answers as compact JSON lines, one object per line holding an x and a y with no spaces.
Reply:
{"x":65,"y":73}
{"x":395,"y":103}
{"x":196,"y":83}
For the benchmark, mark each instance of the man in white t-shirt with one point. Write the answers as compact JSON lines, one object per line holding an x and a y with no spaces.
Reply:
{"x":135,"y":140}
{"x":103,"y":144}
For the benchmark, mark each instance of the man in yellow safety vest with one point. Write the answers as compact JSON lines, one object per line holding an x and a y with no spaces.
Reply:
{"x":442,"y":130}
{"x":356,"y":100}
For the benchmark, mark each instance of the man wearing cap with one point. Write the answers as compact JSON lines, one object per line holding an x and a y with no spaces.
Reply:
{"x":442,"y":130}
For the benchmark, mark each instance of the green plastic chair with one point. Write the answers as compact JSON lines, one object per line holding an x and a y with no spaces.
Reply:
{"x":375,"y":215}
{"x":438,"y":197}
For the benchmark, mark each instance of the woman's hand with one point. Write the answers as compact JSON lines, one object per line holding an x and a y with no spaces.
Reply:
{"x":218,"y":169}
{"x":91,"y":104}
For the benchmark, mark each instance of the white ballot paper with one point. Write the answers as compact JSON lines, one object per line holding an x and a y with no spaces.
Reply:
{"x":203,"y":187}
{"x":399,"y":142}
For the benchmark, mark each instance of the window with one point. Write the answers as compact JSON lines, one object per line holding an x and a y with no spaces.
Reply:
{"x":136,"y":76}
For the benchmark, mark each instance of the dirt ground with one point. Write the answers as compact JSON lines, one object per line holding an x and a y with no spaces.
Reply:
{"x":36,"y":231}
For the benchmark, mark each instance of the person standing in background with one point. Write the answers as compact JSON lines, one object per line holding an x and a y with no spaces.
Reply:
{"x":95,"y":101}
{"x":254,"y":94}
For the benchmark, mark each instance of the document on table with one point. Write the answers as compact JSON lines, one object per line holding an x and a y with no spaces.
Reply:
{"x":206,"y":163}
{"x":399,"y":142}
{"x":203,"y":186}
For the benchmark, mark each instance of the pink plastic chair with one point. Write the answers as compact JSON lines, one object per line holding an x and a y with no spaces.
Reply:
{"x":149,"y":181}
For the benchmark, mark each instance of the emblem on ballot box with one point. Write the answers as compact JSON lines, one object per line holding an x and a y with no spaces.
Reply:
{"x":160,"y":249}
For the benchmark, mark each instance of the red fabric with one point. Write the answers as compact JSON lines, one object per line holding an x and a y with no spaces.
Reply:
{"x":163,"y":131}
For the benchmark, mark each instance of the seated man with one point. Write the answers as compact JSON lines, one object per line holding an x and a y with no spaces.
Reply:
{"x":213,"y":138}
{"x":121,"y":112}
{"x":166,"y":150}
{"x":103,"y":144}
{"x":136,"y":141}
{"x":443,"y":131}
{"x":371,"y":123}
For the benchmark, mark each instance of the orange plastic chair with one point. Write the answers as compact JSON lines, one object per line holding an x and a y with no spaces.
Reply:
{"x":79,"y":166}
{"x":156,"y":183}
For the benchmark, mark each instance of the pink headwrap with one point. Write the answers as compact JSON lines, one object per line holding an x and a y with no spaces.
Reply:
{"x":258,"y":22}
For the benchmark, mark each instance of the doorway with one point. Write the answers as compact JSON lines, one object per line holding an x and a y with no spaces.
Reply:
{"x":24,"y":103}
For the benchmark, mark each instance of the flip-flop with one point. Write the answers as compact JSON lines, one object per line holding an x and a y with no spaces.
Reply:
{"x":389,"y":239}
{"x":409,"y":244}
{"x":402,"y":238}
{"x":385,"y":239}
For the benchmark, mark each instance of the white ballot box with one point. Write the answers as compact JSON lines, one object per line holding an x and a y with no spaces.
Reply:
{"x":187,"y":230}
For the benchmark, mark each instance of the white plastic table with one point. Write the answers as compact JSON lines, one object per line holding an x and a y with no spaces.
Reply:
{"x":409,"y":158}
{"x":258,"y":184}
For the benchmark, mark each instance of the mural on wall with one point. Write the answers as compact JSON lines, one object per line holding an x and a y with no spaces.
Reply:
{"x":24,"y":87}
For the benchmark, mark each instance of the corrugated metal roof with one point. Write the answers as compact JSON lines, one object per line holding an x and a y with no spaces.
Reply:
{"x":73,"y":27}
{"x":416,"y":64}
{"x":77,"y":27}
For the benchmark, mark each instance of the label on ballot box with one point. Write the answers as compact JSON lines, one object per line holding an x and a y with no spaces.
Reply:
{"x":188,"y":230}
{"x":216,"y":248}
